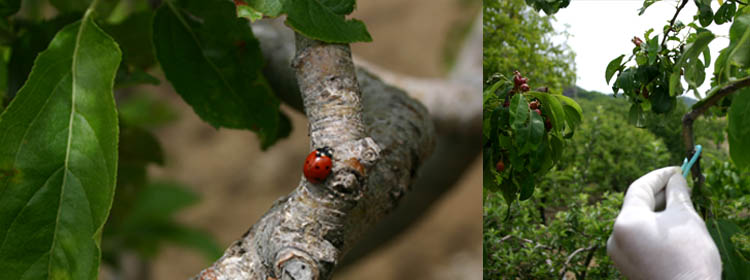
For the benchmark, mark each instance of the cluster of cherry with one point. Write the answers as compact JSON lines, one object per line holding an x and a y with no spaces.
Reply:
{"x":520,"y":84}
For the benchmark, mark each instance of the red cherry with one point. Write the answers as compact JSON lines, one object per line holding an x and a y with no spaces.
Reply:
{"x":506,"y":104}
{"x":500,"y":166}
{"x":533,"y":105}
{"x":518,"y":80}
{"x":318,"y":165}
{"x":538,"y":111}
{"x":525,"y":87}
{"x":637,"y":41}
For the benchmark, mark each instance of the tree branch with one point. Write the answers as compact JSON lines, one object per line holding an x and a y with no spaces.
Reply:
{"x":379,"y":140}
{"x":586,"y":264}
{"x":687,"y":131}
{"x":454,"y":106}
{"x":671,"y":23}
{"x":570,"y":257}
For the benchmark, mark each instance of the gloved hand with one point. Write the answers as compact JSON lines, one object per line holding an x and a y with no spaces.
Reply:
{"x":671,"y":244}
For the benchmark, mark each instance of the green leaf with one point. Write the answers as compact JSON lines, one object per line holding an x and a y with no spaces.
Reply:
{"x":612,"y":67}
{"x":486,"y":126}
{"x":488,"y":174}
{"x":315,"y":20}
{"x":9,"y":7}
{"x":661,"y":102}
{"x":341,"y":7}
{"x":509,"y":190}
{"x":59,"y":144}
{"x":271,"y":8}
{"x":213,"y":61}
{"x":733,"y":265}
{"x":641,"y":58}
{"x":539,"y":156}
{"x":636,"y":116}
{"x":536,"y":130}
{"x":519,"y":111}
{"x":707,"y":57}
{"x":739,"y":37}
{"x":646,"y":4}
{"x":552,"y":108}
{"x":705,"y":13}
{"x":27,"y":46}
{"x":695,"y":73}
{"x":522,"y":135}
{"x":556,"y":145}
{"x":725,"y":13}
{"x":249,"y":13}
{"x":653,"y":49}
{"x":721,"y":67}
{"x":526,"y":185}
{"x":739,"y":128}
{"x":573,"y":113}
{"x":694,"y":49}
{"x":627,"y":80}
{"x":675,"y":87}
{"x":549,"y":7}
{"x":490,"y":91}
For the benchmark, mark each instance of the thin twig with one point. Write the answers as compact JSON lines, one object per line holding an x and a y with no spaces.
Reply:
{"x":589,"y":257}
{"x":671,"y":23}
{"x":570,"y":257}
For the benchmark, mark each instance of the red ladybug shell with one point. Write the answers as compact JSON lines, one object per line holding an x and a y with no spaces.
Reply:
{"x":318,"y":165}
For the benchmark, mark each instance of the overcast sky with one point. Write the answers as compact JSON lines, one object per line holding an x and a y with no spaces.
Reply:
{"x":601,"y":30}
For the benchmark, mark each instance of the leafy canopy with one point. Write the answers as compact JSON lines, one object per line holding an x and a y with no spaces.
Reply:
{"x":519,"y":38}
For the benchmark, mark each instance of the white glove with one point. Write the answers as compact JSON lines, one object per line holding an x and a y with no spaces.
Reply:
{"x":672,"y":244}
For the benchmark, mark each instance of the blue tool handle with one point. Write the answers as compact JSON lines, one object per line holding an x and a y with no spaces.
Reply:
{"x":686,"y":165}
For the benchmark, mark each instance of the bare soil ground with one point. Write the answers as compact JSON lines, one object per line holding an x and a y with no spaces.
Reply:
{"x":239,"y":182}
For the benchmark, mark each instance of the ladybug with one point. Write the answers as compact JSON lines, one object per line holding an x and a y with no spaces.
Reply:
{"x":318,"y":165}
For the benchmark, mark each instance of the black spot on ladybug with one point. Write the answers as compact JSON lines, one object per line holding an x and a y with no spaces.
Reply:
{"x":328,"y":167}
{"x":317,"y":167}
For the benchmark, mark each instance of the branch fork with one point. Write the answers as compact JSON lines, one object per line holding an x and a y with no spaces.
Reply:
{"x":378,"y":142}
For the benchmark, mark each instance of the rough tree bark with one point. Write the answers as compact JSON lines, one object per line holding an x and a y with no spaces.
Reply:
{"x":454,"y":103}
{"x":379,"y":140}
